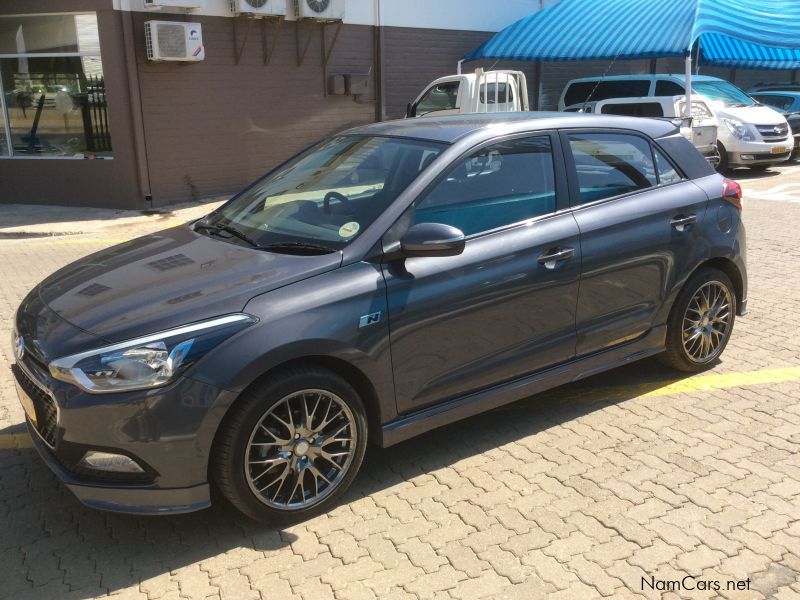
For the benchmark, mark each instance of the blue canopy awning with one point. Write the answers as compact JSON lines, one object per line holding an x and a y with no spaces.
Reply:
{"x":759,"y":33}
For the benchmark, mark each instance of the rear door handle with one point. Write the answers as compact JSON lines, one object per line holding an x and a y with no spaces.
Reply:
{"x":551,"y":258}
{"x":681,"y":222}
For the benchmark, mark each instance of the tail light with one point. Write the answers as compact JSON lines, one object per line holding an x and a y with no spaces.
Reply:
{"x":732,"y":193}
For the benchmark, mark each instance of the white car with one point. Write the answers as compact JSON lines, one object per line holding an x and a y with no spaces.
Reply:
{"x":749,"y":135}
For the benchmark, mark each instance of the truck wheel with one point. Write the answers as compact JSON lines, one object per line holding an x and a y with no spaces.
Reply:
{"x":291,"y":446}
{"x":722,"y":166}
{"x":701,"y":321}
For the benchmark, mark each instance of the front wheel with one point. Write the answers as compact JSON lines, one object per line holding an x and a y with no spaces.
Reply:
{"x":291,"y":446}
{"x":701,"y":322}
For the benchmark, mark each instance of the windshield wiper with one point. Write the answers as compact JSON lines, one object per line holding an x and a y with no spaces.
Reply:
{"x":299,"y":247}
{"x":232,"y":230}
{"x":288,"y":247}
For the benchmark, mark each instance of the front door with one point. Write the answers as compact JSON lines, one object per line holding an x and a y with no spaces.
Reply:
{"x":639,"y":223}
{"x":506,"y":306}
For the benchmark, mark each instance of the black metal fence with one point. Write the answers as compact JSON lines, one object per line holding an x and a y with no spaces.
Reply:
{"x":94,"y":108}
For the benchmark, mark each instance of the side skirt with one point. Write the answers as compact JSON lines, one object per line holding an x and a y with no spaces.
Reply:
{"x":431,"y":417}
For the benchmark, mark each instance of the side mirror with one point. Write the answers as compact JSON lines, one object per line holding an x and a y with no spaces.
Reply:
{"x":432,"y":239}
{"x":411,"y":111}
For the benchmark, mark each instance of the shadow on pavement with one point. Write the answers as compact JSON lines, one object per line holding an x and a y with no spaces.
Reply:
{"x":48,"y":537}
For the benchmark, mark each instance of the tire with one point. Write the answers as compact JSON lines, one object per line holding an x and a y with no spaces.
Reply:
{"x":688,"y":353}
{"x":723,"y":166}
{"x":267,"y":429}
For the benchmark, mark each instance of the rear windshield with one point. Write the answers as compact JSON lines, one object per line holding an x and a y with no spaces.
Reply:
{"x":583,"y":91}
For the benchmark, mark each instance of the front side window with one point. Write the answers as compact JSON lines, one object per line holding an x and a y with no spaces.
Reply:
{"x":327,"y":196}
{"x":585,"y":91}
{"x":638,"y":109}
{"x":442,"y":96}
{"x":53,"y":88}
{"x":610,"y":164}
{"x":499,"y":185}
{"x":669,"y":88}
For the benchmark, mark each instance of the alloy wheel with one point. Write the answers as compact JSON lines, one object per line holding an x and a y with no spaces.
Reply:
{"x":707,"y":322}
{"x":300,"y":450}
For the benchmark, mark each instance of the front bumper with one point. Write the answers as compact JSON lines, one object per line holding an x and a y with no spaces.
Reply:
{"x":168,"y":432}
{"x":760,"y":153}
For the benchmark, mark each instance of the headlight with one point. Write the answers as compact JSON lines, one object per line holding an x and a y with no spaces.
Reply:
{"x":739,"y":130}
{"x":146,"y":362}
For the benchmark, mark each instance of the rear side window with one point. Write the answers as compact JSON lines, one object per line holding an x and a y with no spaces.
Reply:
{"x":497,"y":186}
{"x":611,"y":164}
{"x":584,"y":91}
{"x":669,"y":88}
{"x":505,"y":93}
{"x":442,"y":96}
{"x":640,"y":109}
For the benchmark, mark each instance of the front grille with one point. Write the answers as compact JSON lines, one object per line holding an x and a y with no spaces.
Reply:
{"x":773,"y":133}
{"x":769,"y":156}
{"x":43,"y":404}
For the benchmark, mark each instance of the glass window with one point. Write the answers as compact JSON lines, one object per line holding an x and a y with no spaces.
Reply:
{"x":669,"y":88}
{"x":329,"y":195}
{"x":499,"y":185}
{"x":666,"y":172}
{"x":53,"y":87}
{"x":610,"y":164}
{"x":779,"y":102}
{"x":637,"y":109}
{"x":584,"y":91}
{"x":722,"y":91}
{"x":442,"y":96}
{"x":505,"y":93}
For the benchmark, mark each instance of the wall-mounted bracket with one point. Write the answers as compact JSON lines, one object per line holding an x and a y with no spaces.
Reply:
{"x":268,"y":48}
{"x":238,"y":49}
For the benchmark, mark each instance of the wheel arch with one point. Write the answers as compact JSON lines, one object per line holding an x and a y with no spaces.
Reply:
{"x":727,"y":266}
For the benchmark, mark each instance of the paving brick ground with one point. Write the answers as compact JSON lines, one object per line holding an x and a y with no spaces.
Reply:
{"x":579,"y":493}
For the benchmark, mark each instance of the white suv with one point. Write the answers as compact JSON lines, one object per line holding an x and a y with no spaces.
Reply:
{"x":750,"y":135}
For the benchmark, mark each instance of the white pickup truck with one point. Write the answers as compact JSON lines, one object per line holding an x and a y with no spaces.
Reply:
{"x":507,"y":91}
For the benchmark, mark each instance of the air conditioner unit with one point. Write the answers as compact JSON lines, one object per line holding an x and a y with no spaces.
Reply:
{"x":319,"y":10}
{"x":259,"y":8}
{"x":174,"y":3}
{"x":174,"y":40}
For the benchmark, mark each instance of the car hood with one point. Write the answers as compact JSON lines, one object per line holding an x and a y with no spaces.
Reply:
{"x":168,"y":279}
{"x":755,"y":115}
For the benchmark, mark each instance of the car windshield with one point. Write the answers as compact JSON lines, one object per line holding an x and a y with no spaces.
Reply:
{"x":724,"y":92}
{"x":326,"y":197}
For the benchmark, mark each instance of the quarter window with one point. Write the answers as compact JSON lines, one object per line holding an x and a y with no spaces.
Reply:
{"x":666,"y":172}
{"x":442,"y":96}
{"x":610,"y":164}
{"x":499,"y":185}
{"x":52,"y":89}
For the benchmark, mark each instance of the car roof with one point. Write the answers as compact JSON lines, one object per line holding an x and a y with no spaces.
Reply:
{"x":776,"y":93}
{"x":649,"y":77}
{"x":451,"y":128}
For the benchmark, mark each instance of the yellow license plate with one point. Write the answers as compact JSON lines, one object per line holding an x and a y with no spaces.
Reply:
{"x":27,"y":404}
{"x":779,"y":150}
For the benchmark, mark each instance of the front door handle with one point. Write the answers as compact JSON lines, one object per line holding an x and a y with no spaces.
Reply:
{"x":551,"y":258}
{"x":681,"y":222}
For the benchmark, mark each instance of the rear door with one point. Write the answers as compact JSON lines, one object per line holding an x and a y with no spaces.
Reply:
{"x":638,"y":218}
{"x":505,"y":307}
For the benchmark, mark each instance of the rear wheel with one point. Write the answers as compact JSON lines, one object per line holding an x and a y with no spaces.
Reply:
{"x":701,"y":322}
{"x":291,"y":446}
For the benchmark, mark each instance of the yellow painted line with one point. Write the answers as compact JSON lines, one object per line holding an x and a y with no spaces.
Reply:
{"x":14,"y":441}
{"x":722,"y":381}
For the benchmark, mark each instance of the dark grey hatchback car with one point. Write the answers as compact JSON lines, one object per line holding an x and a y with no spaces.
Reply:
{"x":391,"y":279}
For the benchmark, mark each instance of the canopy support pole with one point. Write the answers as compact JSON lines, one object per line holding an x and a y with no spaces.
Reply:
{"x":687,"y":108}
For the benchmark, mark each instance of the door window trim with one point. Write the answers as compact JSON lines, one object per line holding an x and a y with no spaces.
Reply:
{"x":572,"y":171}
